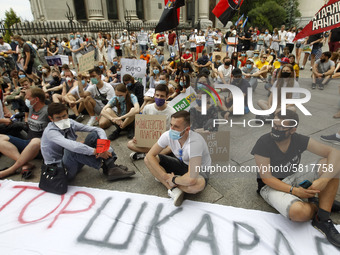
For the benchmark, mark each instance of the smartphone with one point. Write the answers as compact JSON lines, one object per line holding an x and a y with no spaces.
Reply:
{"x":305,"y":184}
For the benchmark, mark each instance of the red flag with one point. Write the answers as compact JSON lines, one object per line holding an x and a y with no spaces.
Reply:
{"x":327,"y":18}
{"x":178,"y":10}
{"x":226,"y":9}
{"x":170,"y":16}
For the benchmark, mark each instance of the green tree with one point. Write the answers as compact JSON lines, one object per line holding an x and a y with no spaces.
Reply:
{"x":10,"y":19}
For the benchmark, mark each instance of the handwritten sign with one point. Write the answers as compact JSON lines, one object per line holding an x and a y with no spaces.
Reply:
{"x":200,"y":39}
{"x":86,"y":62}
{"x":136,"y":68}
{"x":218,"y":144}
{"x":103,"y":145}
{"x":183,"y":100}
{"x":148,"y":128}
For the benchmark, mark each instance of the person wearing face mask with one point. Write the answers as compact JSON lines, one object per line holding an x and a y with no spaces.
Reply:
{"x":46,"y":75}
{"x":125,"y":43}
{"x":263,"y":66}
{"x":145,"y":56}
{"x":224,"y":71}
{"x":158,"y":108}
{"x":76,"y":47}
{"x":96,"y":95}
{"x":134,"y":87}
{"x":250,"y":73}
{"x":120,"y":111}
{"x":174,"y":172}
{"x":281,"y":149}
{"x":243,"y":59}
{"x":159,"y":56}
{"x":153,"y":82}
{"x":285,"y":79}
{"x":227,"y":102}
{"x":52,"y":48}
{"x":24,"y":150}
{"x":323,"y":70}
{"x":187,"y":57}
{"x":256,"y":56}
{"x":203,"y":62}
{"x":60,"y":148}
{"x":67,"y":85}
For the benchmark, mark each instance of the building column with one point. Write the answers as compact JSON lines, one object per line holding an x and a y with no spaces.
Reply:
{"x":95,"y":10}
{"x":130,"y":5}
{"x":181,"y":16}
{"x":203,"y":13}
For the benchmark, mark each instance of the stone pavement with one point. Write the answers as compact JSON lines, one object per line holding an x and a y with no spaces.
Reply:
{"x":224,"y":189}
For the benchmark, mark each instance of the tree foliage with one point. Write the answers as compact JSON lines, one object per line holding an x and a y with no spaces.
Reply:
{"x":10,"y":19}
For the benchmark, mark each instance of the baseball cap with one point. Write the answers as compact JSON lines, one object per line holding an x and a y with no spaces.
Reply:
{"x":284,"y":60}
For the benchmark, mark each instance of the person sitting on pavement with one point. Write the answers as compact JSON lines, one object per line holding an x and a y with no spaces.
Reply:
{"x":224,"y":71}
{"x":262,"y":65}
{"x":157,"y":108}
{"x":285,"y":190}
{"x":134,"y":87}
{"x":227,"y":102}
{"x":120,"y":111}
{"x":203,"y":62}
{"x":68,"y":84}
{"x":250,"y":73}
{"x":322,"y":70}
{"x":23,"y":151}
{"x":60,"y":148}
{"x":179,"y":174}
{"x":97,"y":96}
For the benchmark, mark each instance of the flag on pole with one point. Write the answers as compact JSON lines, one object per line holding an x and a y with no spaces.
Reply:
{"x":327,"y":18}
{"x":245,"y":22}
{"x":170,"y":15}
{"x":226,"y":9}
{"x":239,"y":20}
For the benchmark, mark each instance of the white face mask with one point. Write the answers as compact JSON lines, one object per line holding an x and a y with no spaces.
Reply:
{"x":44,"y":70}
{"x":63,"y":124}
{"x":68,"y":79}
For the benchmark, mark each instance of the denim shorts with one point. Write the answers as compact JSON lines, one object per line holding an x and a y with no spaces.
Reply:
{"x":282,"y":201}
{"x":20,"y":144}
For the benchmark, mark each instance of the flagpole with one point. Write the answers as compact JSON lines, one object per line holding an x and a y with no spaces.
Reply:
{"x":232,"y":66}
{"x":180,"y":54}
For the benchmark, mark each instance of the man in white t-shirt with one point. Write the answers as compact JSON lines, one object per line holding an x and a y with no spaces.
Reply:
{"x":186,"y":172}
{"x":282,"y":35}
{"x":224,"y":71}
{"x":97,"y":96}
{"x":157,"y":108}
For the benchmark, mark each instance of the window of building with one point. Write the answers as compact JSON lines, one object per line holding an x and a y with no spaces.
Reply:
{"x":112,"y":10}
{"x":80,"y":8}
{"x":190,"y":10}
{"x":140,"y":9}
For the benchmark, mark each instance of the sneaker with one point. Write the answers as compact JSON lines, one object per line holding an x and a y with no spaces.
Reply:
{"x":313,"y":86}
{"x":335,"y":205}
{"x":117,"y":173}
{"x":321,"y":87}
{"x":331,"y":139}
{"x":137,"y":155}
{"x":327,"y":228}
{"x":302,"y":68}
{"x":13,"y":119}
{"x":91,"y":121}
{"x":80,"y":118}
{"x":114,"y":135}
{"x":311,"y":68}
{"x":177,"y":195}
{"x":72,"y":116}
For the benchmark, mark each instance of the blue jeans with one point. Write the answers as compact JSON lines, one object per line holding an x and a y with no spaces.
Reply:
{"x":74,"y":161}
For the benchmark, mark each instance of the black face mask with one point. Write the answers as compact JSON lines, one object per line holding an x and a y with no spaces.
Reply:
{"x":227,"y":63}
{"x":323,"y":60}
{"x":56,"y":78}
{"x":285,"y":74}
{"x":278,"y":135}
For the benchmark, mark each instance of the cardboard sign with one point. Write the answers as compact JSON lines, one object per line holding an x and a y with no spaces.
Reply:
{"x":232,"y":41}
{"x":307,"y":48}
{"x":148,"y":128}
{"x":86,"y":62}
{"x":200,"y":39}
{"x":58,"y":60}
{"x":183,"y":100}
{"x":136,"y":68}
{"x":103,"y":145}
{"x":218,"y":144}
{"x":150,"y":93}
{"x":142,"y":38}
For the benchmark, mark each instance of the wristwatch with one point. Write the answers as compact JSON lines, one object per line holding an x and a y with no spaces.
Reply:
{"x":173,"y":179}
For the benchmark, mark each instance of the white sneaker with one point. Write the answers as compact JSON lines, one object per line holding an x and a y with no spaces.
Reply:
{"x":177,"y":195}
{"x":137,"y":155}
{"x":91,"y":121}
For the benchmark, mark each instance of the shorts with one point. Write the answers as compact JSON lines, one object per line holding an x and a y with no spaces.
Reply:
{"x":75,"y":57}
{"x":282,"y":201}
{"x":98,"y":109}
{"x":20,"y":144}
{"x":178,"y":167}
{"x":315,"y":51}
{"x":299,"y":45}
{"x":193,"y":49}
{"x":29,"y":67}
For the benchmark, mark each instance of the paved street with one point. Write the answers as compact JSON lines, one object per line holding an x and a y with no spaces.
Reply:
{"x":224,"y":189}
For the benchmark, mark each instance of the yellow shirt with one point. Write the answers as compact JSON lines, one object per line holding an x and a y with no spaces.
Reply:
{"x":259,"y":64}
{"x":297,"y":70}
{"x":277,"y":64}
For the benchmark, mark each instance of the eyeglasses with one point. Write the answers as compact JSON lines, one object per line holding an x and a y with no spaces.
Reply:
{"x":264,"y":57}
{"x":180,"y":152}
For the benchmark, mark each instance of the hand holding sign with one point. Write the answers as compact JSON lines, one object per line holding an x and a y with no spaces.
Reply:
{"x":103,"y":145}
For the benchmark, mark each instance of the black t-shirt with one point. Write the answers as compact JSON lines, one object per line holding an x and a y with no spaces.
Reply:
{"x":335,"y":37}
{"x":314,"y":38}
{"x":203,"y":60}
{"x":138,"y":90}
{"x":244,"y":85}
{"x":27,"y":48}
{"x":247,"y":35}
{"x":113,"y":69}
{"x":266,"y":147}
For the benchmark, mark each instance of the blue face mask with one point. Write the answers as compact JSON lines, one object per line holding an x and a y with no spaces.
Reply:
{"x":185,"y":71}
{"x":78,"y":36}
{"x":256,"y":55}
{"x":175,"y":135}
{"x":243,"y":55}
{"x":249,"y":66}
{"x":162,"y":82}
{"x":101,"y":66}
{"x":21,"y":76}
{"x":115,"y":63}
{"x":266,"y":33}
{"x":129,"y":84}
{"x":120,"y":99}
{"x":156,"y":71}
{"x":94,"y":81}
{"x":83,"y":82}
{"x":181,"y":83}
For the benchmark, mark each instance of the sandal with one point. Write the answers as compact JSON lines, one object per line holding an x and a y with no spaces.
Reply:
{"x":27,"y":173}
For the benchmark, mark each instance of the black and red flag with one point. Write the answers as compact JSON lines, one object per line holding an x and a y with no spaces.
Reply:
{"x":170,"y":15}
{"x":226,"y":9}
{"x":327,"y":18}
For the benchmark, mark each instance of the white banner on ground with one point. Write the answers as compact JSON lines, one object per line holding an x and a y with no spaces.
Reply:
{"x":183,"y":100}
{"x":100,"y":222}
{"x":58,"y":60}
{"x":136,"y":68}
